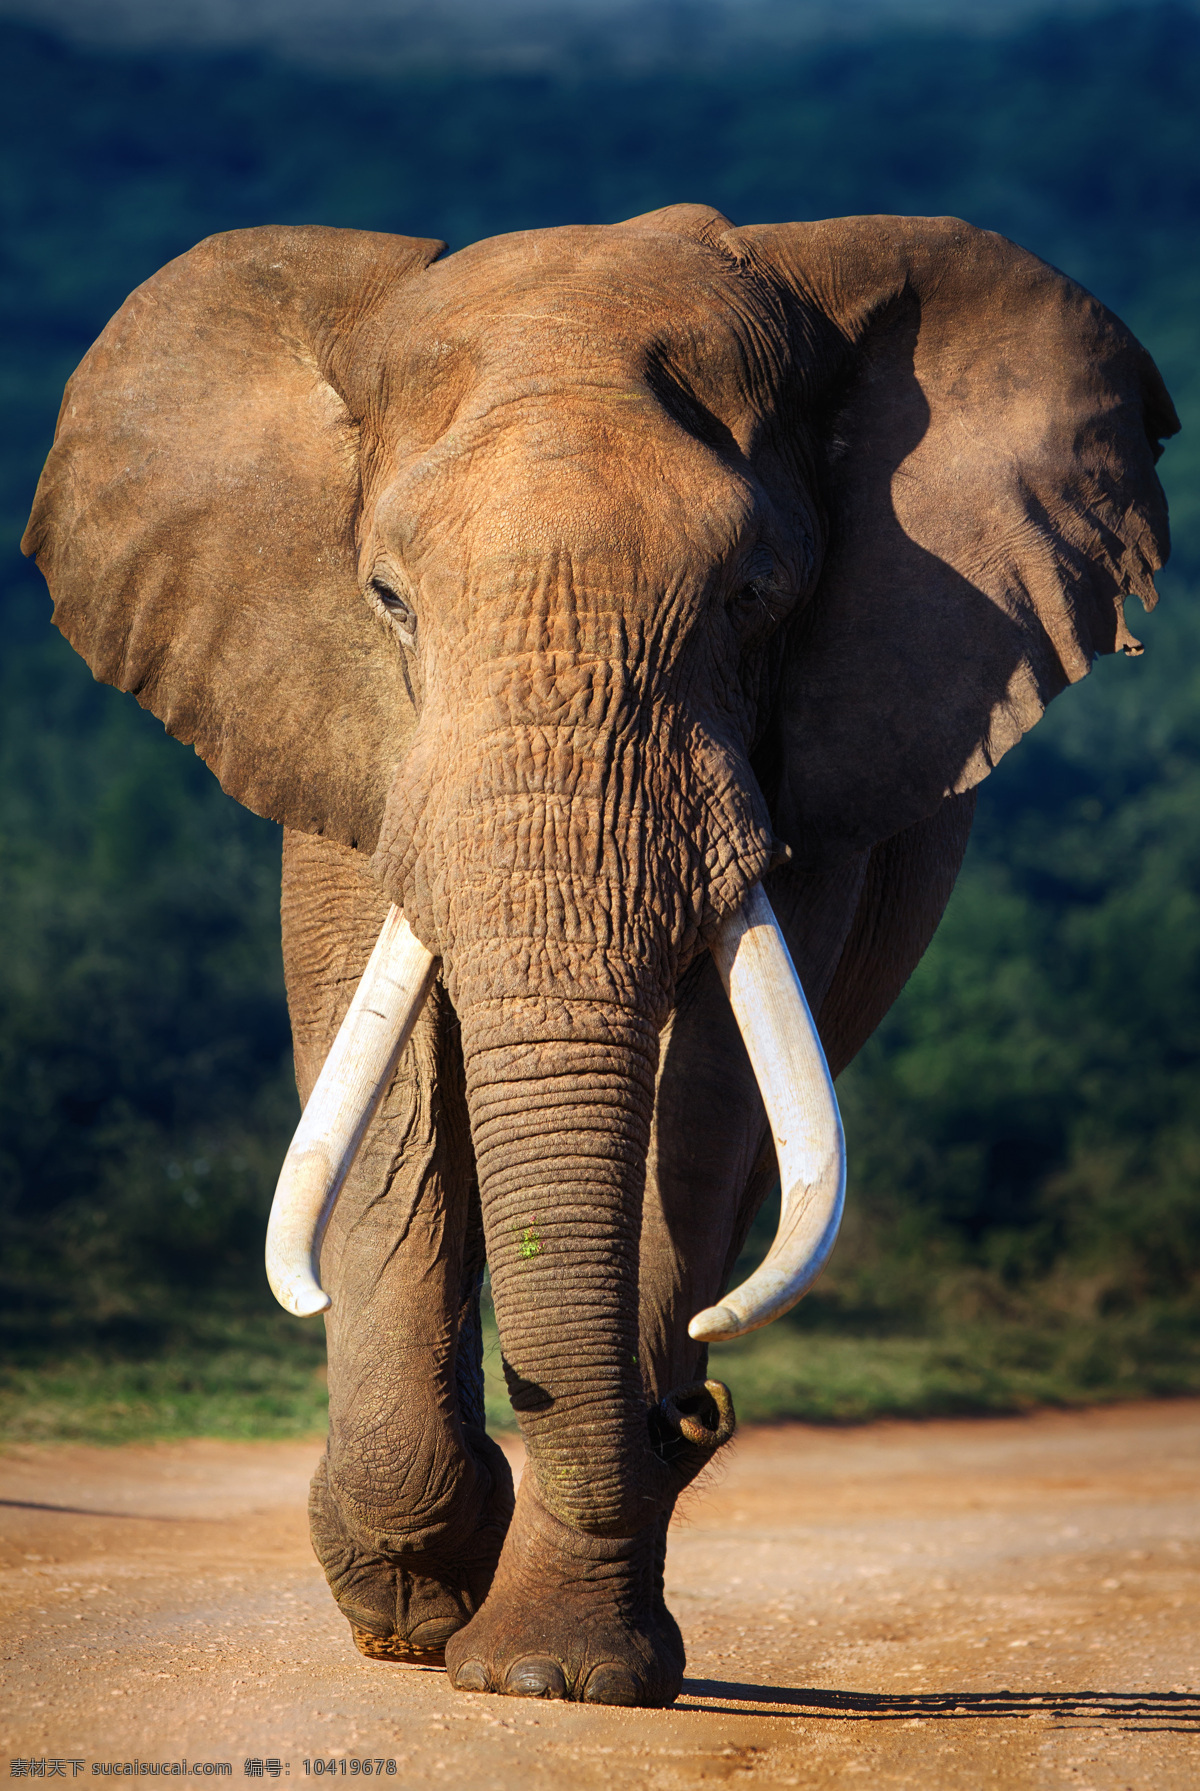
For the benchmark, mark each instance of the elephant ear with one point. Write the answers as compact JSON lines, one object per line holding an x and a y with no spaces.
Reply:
{"x":196,"y":517}
{"x":987,"y":433}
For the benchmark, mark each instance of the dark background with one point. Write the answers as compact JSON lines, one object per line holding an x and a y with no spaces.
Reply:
{"x":1025,"y":1128}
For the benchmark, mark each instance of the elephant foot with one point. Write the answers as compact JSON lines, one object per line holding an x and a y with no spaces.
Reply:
{"x":399,"y":1607}
{"x":571,"y":1616}
{"x":396,"y":1649}
{"x":420,"y":1643}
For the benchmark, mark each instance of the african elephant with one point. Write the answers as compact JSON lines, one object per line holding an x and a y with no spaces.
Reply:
{"x":603,"y":613}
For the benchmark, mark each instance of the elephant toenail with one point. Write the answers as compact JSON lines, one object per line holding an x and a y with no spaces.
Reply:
{"x":435,"y":1632}
{"x":611,"y":1684}
{"x":471,"y":1676}
{"x":535,"y":1678}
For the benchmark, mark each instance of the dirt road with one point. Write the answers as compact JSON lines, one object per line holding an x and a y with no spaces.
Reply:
{"x":1006,"y":1602}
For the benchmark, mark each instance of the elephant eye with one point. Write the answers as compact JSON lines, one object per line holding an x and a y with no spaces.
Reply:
{"x":757,"y":607}
{"x":754,"y":597}
{"x":398,"y":608}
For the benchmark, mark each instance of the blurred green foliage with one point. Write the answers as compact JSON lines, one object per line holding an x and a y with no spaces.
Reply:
{"x":1024,"y":1128}
{"x":144,"y":1046}
{"x":238,"y":1390}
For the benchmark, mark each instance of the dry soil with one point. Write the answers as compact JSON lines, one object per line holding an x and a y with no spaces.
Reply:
{"x":1008,"y":1602}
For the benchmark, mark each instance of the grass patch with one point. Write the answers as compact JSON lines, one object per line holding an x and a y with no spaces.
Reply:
{"x":500,"y":1415}
{"x":786,"y":1372}
{"x":242,"y":1393}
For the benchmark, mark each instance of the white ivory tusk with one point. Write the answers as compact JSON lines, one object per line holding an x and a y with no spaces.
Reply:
{"x":390,"y":995}
{"x":797,"y":1090}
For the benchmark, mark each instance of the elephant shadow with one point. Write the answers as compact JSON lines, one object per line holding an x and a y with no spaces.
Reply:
{"x":1171,"y":1713}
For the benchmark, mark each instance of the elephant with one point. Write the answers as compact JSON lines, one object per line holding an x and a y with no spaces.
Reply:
{"x":618,"y":620}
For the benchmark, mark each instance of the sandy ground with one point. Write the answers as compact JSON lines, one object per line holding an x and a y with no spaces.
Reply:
{"x":1005,"y":1602}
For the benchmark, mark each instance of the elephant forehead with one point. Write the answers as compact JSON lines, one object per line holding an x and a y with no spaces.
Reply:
{"x":568,"y":282}
{"x":597,"y":304}
{"x":571,"y":492}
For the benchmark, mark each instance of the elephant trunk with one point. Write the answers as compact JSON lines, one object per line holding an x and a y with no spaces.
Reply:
{"x":561,"y":1099}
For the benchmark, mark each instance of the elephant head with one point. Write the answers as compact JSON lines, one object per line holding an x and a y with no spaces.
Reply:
{"x":582,"y":577}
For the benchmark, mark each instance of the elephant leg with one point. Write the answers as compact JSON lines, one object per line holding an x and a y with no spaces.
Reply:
{"x":576,"y":1614}
{"x":411,"y":1500}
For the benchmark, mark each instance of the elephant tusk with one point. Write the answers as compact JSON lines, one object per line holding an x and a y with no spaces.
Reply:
{"x":389,"y":997}
{"x":797,"y":1090}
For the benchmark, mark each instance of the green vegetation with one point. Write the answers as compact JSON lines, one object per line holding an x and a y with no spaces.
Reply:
{"x":251,"y":1382}
{"x":529,"y":1243}
{"x":1025,"y":1127}
{"x":981,"y":1368}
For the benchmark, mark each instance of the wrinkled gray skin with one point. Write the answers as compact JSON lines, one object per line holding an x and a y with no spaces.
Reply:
{"x":558,"y":590}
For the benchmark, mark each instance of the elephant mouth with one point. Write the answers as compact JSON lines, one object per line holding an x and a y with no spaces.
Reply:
{"x":781,"y":1041}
